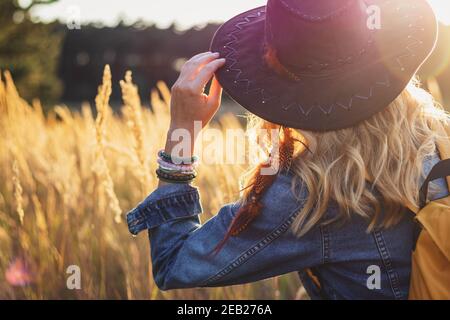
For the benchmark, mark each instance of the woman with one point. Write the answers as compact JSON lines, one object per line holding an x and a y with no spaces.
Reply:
{"x":356,"y":140}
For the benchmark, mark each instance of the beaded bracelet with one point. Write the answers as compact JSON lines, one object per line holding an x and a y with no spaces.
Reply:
{"x":176,"y":172}
{"x":175,"y":167}
{"x":176,"y":160}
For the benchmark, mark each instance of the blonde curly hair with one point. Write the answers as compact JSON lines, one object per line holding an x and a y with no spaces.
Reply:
{"x":387,"y":149}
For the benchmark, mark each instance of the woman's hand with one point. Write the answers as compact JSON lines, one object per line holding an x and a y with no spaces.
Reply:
{"x":189,"y":102}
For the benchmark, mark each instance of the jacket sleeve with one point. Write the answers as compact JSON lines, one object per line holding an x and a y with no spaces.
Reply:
{"x":181,"y":248}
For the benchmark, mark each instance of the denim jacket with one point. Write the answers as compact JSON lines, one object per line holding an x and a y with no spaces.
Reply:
{"x":345,"y":258}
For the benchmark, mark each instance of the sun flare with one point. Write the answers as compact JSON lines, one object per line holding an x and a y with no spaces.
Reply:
{"x":442,"y":10}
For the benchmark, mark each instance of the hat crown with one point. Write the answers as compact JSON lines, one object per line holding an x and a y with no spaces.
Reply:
{"x":316,"y":35}
{"x":315,"y":10}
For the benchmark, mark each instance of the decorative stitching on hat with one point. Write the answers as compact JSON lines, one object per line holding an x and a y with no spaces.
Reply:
{"x":328,"y":109}
{"x":230,"y":57}
{"x":305,"y":112}
{"x":386,"y":83}
{"x":409,"y":52}
{"x":414,"y":28}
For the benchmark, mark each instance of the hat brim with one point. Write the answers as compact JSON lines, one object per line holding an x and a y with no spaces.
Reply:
{"x":355,"y":91}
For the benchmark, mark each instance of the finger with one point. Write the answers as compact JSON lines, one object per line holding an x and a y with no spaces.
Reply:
{"x":193,"y":66}
{"x":206,"y":73}
{"x":200,"y":55}
{"x":215,"y":93}
{"x":185,"y":68}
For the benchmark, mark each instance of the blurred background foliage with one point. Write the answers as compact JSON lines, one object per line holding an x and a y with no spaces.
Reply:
{"x":31,"y":51}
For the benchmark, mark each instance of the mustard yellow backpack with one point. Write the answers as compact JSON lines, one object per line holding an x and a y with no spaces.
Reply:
{"x":430,"y":275}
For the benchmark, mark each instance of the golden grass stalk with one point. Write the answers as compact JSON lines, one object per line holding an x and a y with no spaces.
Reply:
{"x":132,"y":102}
{"x":435,"y":90}
{"x":165,"y":92}
{"x":102,"y":105}
{"x":2,"y":95}
{"x":12,"y":96}
{"x":18,"y":190}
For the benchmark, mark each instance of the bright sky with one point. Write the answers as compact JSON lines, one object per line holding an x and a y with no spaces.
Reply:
{"x":185,"y":13}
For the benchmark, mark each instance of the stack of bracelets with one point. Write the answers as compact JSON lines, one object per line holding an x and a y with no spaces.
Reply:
{"x":176,"y":170}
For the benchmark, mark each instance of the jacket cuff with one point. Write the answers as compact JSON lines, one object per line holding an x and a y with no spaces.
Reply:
{"x":165,"y":204}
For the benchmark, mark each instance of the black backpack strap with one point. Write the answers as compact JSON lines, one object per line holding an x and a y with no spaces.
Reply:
{"x":440,"y":170}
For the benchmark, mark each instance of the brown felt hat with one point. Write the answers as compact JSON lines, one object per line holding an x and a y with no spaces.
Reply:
{"x":323,"y":64}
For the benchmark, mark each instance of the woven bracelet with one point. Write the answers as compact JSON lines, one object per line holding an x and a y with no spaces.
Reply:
{"x":174,"y":181}
{"x":176,"y":178}
{"x":177,"y":173}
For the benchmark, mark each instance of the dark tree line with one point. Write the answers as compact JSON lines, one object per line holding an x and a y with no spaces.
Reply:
{"x":152,"y":54}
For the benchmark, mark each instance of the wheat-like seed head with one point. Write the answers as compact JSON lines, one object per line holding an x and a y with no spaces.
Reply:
{"x":101,"y":167}
{"x":132,"y":102}
{"x":165,"y":92}
{"x":18,"y":190}
{"x":2,"y":95}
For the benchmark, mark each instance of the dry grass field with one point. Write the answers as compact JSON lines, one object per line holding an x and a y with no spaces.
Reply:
{"x":67,"y":180}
